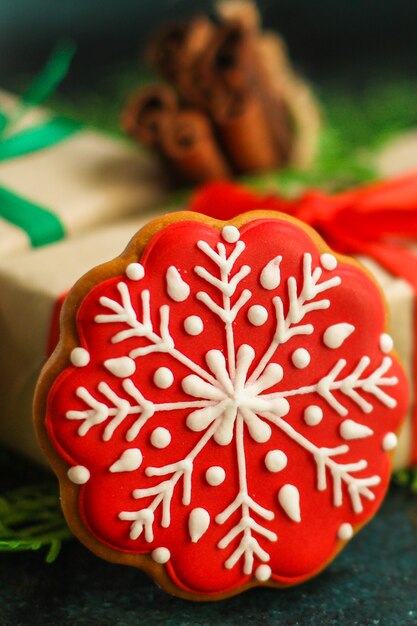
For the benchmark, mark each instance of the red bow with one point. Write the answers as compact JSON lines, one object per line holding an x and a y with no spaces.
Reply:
{"x":375,"y":221}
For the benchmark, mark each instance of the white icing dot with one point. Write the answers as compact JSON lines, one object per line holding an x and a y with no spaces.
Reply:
{"x":163,"y":377}
{"x":328,"y":261}
{"x":275,"y":460}
{"x":289,"y":499}
{"x":257,"y":315}
{"x":135,"y":271}
{"x":345,"y":532}
{"x":129,"y":461}
{"x":160,"y":437}
{"x":215,"y":475}
{"x":263,"y":573}
{"x":161,"y":555}
{"x":230,"y":234}
{"x":193,"y":325}
{"x":80,"y":357}
{"x":335,"y":335}
{"x":389,"y":442}
{"x":300,"y":358}
{"x":78,"y":474}
{"x":386,"y":343}
{"x":198,"y":523}
{"x":121,"y":367}
{"x":313,"y":415}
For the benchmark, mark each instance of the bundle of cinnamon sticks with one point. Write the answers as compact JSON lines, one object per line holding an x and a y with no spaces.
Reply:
{"x":231,"y":103}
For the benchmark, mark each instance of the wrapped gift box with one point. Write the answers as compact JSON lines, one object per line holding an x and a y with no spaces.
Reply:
{"x":31,"y":285}
{"x":73,"y":184}
{"x":399,"y":155}
{"x":401,"y":301}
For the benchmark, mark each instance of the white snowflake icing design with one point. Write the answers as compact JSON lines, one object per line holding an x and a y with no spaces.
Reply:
{"x":225,"y":399}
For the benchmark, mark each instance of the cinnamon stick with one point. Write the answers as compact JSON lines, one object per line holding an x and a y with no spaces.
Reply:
{"x":242,"y":18}
{"x":190,"y":145}
{"x":148,"y":114}
{"x":289,"y":103}
{"x":238,"y":106}
{"x":243,"y":12}
{"x":229,"y":57}
{"x":245,"y":133}
{"x":173,"y":53}
{"x":286,"y":86}
{"x":227,"y":76}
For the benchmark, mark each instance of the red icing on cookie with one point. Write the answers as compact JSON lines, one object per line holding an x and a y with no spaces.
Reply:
{"x":230,"y":407}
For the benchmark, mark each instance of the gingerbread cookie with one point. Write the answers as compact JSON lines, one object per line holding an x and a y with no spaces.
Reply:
{"x":222,"y":404}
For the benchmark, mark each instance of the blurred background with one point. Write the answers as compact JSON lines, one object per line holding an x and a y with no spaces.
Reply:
{"x":327,"y":38}
{"x":359,"y":55}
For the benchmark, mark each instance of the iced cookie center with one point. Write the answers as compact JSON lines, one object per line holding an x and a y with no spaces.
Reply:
{"x":237,"y":395}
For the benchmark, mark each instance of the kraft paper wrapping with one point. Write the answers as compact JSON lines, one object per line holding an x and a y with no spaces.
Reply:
{"x":86,"y":180}
{"x":399,"y":155}
{"x":400,"y":297}
{"x":31,"y":283}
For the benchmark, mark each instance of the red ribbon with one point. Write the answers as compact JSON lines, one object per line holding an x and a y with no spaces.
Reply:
{"x":376,"y":221}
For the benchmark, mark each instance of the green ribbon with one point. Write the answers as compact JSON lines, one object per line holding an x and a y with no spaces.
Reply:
{"x":38,"y":138}
{"x":40,"y":224}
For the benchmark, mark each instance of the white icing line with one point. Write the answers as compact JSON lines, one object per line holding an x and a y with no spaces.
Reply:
{"x":301,"y":302}
{"x":358,"y":488}
{"x":249,"y":546}
{"x":143,"y":519}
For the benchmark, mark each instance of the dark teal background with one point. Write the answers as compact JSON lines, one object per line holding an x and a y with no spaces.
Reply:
{"x":372,"y":583}
{"x":324,"y":36}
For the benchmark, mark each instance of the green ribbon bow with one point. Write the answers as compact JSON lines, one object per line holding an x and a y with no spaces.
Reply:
{"x":41,"y":225}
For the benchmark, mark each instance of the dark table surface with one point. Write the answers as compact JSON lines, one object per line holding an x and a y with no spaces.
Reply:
{"x":373,"y":582}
